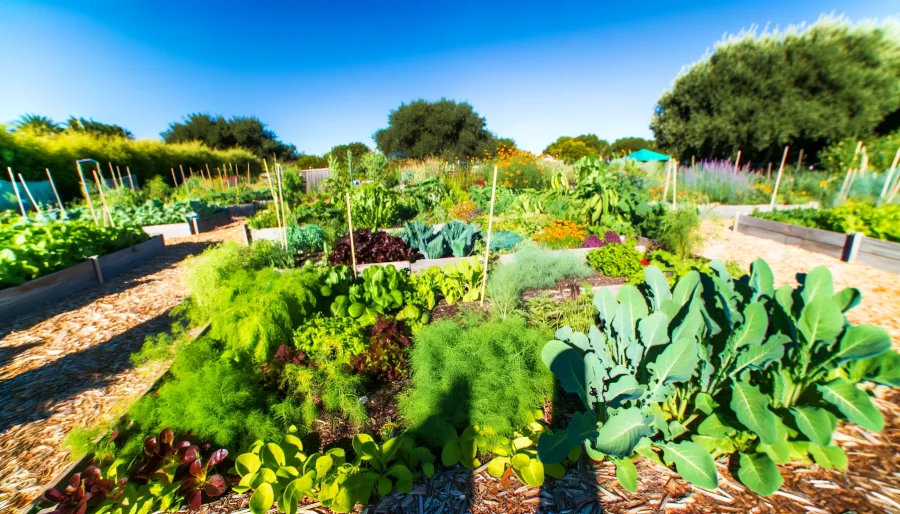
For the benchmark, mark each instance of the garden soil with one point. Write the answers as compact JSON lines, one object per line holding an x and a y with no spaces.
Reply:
{"x":68,"y":365}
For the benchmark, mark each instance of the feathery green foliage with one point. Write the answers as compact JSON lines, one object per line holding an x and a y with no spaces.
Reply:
{"x":485,"y":373}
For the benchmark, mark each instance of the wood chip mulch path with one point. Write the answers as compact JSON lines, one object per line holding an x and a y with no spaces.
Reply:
{"x":68,"y":365}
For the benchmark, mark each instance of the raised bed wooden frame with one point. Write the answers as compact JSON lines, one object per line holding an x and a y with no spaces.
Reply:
{"x":15,"y":301}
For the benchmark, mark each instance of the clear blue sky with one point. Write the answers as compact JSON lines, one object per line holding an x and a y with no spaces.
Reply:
{"x":325,"y":73}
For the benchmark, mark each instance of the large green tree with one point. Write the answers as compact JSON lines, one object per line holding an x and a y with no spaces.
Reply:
{"x":239,"y":131}
{"x":356,"y":149}
{"x":448,"y":129}
{"x":570,"y":149}
{"x":805,"y":89}
{"x":627,"y":145}
{"x":97,"y":128}
{"x":36,"y":124}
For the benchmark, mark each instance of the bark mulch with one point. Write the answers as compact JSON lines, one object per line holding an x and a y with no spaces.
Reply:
{"x":67,"y":365}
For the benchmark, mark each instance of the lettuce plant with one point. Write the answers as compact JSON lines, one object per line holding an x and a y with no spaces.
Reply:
{"x":371,"y":247}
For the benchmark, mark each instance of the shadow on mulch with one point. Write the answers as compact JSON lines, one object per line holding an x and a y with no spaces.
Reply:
{"x":8,"y":353}
{"x":118,"y":284}
{"x":33,"y":395}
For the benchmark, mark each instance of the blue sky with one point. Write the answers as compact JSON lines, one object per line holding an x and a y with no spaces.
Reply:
{"x":325,"y":73}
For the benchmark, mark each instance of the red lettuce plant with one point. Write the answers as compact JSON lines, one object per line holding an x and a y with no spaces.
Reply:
{"x":85,"y":489}
{"x":181,"y":463}
{"x":386,"y":358}
{"x":593,"y":241}
{"x":371,"y":247}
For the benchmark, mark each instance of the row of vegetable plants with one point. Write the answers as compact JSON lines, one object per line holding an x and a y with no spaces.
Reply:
{"x":880,"y":222}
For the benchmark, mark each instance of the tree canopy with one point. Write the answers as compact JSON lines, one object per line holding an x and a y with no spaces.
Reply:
{"x":627,"y":145}
{"x":804,"y":88}
{"x":95,"y":127}
{"x":570,"y":149}
{"x":356,"y":149}
{"x":247,"y":132}
{"x":448,"y":129}
{"x":36,"y":124}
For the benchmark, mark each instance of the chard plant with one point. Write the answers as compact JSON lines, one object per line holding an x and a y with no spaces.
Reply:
{"x":720,"y":367}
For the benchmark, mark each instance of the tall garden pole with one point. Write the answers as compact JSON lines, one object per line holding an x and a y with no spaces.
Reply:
{"x":174,"y":181}
{"x":28,"y":192}
{"x":103,"y":200}
{"x":130,"y":180}
{"x":87,"y":193}
{"x":668,"y":178}
{"x":208,"y":174}
{"x":890,"y":177}
{"x":16,"y":189}
{"x":55,"y":193}
{"x":487,"y":249}
{"x":352,"y":245}
{"x":778,"y":177}
{"x":112,"y":174}
{"x":248,"y":174}
{"x":283,"y":205}
{"x":769,"y":171}
{"x":274,"y":195}
{"x":674,"y":184}
{"x":119,"y":173}
{"x":800,"y":160}
{"x":183,"y":177}
{"x":737,"y":163}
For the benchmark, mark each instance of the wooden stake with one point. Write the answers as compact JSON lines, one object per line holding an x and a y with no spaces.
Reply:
{"x":284,"y":212}
{"x":191,"y":172}
{"x":174,"y":181}
{"x":668,"y":178}
{"x":737,"y":163}
{"x":16,"y":189}
{"x":692,"y":161}
{"x":119,"y":173}
{"x":208,"y":174}
{"x":274,"y":194}
{"x":56,"y":194}
{"x":87,"y":194}
{"x":183,"y":178}
{"x":130,"y":180}
{"x":778,"y":177}
{"x":103,"y":201}
{"x":800,"y":160}
{"x":352,"y":246}
{"x":769,"y":171}
{"x":248,"y":173}
{"x":674,"y":184}
{"x":890,"y":177}
{"x":112,"y":174}
{"x":487,"y":249}
{"x":28,"y":192}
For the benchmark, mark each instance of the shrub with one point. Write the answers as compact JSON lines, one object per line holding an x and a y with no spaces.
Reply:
{"x":681,"y":231}
{"x":374,"y":206}
{"x":616,"y":260}
{"x":485,"y":373}
{"x":305,"y":238}
{"x":533,"y":268}
{"x":371,"y":247}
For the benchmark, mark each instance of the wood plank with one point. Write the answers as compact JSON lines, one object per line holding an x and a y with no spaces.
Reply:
{"x":15,"y":301}
{"x":271,"y":234}
{"x":831,"y":243}
{"x":169,"y":230}
{"x":888,"y":249}
{"x":244,"y":210}
{"x":130,"y":258}
{"x":212,"y":222}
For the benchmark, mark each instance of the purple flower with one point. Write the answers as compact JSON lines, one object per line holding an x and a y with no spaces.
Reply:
{"x":610,"y":237}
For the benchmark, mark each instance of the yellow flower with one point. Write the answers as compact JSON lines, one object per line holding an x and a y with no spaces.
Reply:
{"x":823,"y":184}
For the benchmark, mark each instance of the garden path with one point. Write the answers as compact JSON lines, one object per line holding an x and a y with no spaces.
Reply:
{"x":68,"y":364}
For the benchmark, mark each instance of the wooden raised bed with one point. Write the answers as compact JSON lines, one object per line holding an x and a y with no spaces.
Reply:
{"x":846,"y":247}
{"x":191,"y":227}
{"x":32,"y":295}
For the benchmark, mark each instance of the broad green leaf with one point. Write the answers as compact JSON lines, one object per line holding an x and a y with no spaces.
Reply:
{"x":752,"y":410}
{"x":272,"y":455}
{"x":705,"y":403}
{"x":820,"y":320}
{"x":246,"y":463}
{"x":568,"y":366}
{"x":404,"y":477}
{"x":861,"y":342}
{"x":677,"y":363}
{"x":554,"y":470}
{"x":817,"y":284}
{"x":757,"y":357}
{"x":815,"y":423}
{"x":626,"y":473}
{"x":497,"y":466}
{"x":644,"y":448}
{"x":685,"y":288}
{"x":715,"y":446}
{"x":582,"y":427}
{"x":619,"y":435}
{"x":533,"y":473}
{"x":762,"y":280}
{"x":606,"y":305}
{"x":883,"y":369}
{"x":829,"y":457}
{"x":653,"y":329}
{"x":713,"y":426}
{"x":554,"y":447}
{"x":450,"y":454}
{"x":753,"y":330}
{"x":622,"y":389}
{"x":784,"y":297}
{"x":577,"y":339}
{"x":853,"y":403}
{"x":689,"y":327}
{"x":848,"y":298}
{"x":759,"y":473}
{"x":323,"y":464}
{"x":634,"y":300}
{"x":693,"y":463}
{"x":356,"y":489}
{"x":658,"y":286}
{"x":262,"y":499}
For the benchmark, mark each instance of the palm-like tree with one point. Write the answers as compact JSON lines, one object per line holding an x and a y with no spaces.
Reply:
{"x":37,"y":124}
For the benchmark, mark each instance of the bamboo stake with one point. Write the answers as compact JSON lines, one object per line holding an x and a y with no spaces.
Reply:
{"x":737,"y":163}
{"x":112,"y":174}
{"x":130,"y":180}
{"x":87,"y":194}
{"x":208,"y":174}
{"x":692,"y":161}
{"x":668,"y":178}
{"x":894,"y":191}
{"x":890,"y":177}
{"x":769,"y":171}
{"x":487,"y":249}
{"x":119,"y":173}
{"x":222,"y":180}
{"x":183,"y":178}
{"x":284,"y":212}
{"x":778,"y":177}
{"x":174,"y":181}
{"x":103,"y":201}
{"x":352,"y":246}
{"x":55,"y":193}
{"x":248,"y":173}
{"x":800,"y":160}
{"x":28,"y":192}
{"x":674,"y":184}
{"x":274,"y":194}
{"x":864,"y":165}
{"x":16,"y":189}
